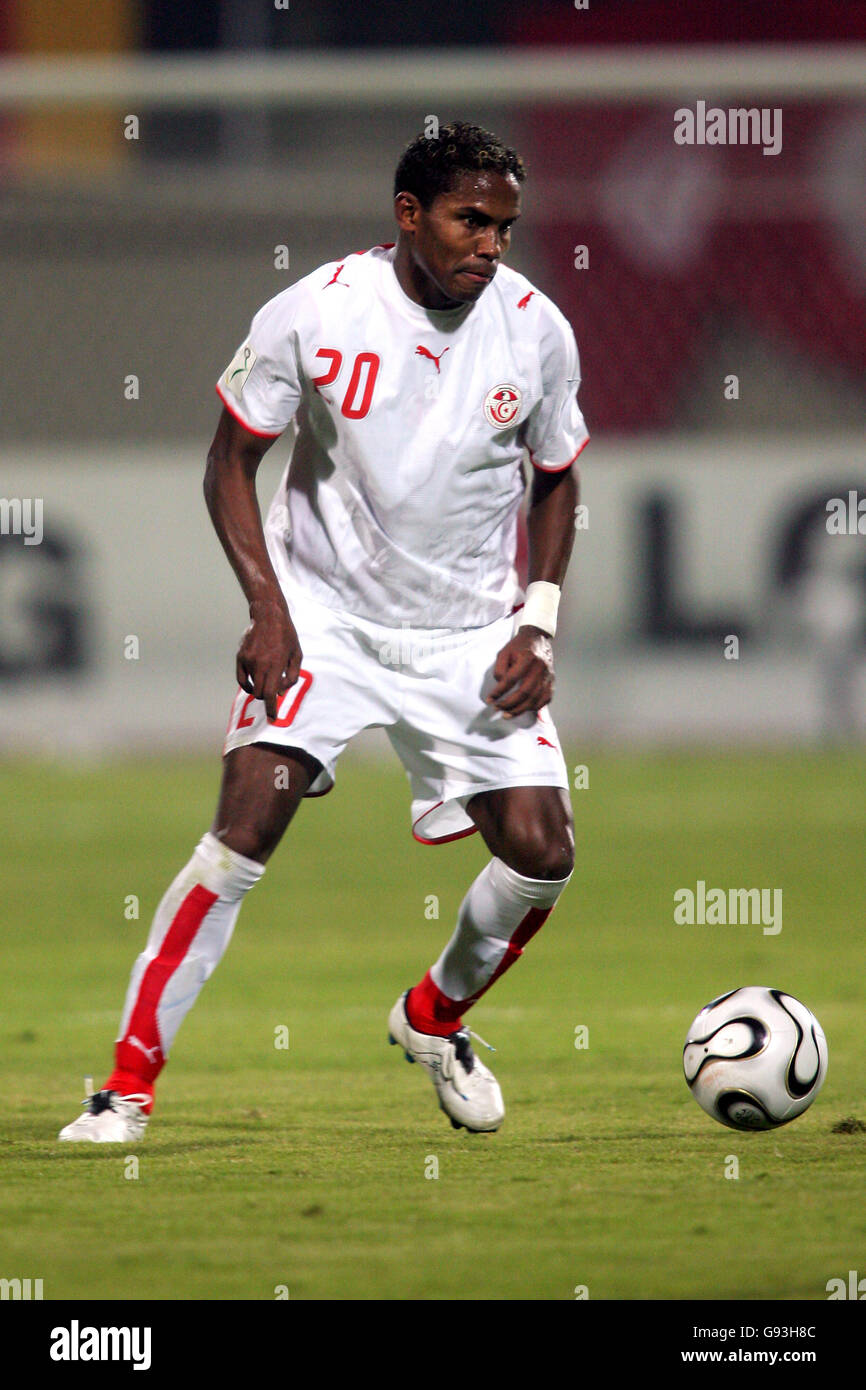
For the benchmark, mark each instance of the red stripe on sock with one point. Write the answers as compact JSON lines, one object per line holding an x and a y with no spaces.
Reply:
{"x":129,"y":1057}
{"x":430,"y":1011}
{"x":524,"y":932}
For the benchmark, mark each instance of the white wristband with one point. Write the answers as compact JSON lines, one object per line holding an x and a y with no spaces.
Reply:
{"x":540,"y":608}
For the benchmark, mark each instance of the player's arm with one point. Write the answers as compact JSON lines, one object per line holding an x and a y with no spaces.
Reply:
{"x":523,"y":672}
{"x":552,"y":509}
{"x":269,"y":657}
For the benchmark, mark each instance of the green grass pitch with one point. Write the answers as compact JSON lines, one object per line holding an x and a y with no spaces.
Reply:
{"x":309,"y":1169}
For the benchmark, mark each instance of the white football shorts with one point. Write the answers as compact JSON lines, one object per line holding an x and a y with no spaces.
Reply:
{"x":426,"y":688}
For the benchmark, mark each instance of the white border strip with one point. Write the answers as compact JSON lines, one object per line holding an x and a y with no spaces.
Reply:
{"x":419,"y":77}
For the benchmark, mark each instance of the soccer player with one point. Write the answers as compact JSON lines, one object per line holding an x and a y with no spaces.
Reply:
{"x":410,"y":381}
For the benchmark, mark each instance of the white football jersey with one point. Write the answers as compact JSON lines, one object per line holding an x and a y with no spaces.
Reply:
{"x":408,"y":428}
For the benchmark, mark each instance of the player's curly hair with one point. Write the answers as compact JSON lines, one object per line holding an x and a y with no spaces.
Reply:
{"x":430,"y":164}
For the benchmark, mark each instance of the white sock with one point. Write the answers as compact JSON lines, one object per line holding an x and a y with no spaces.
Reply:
{"x":499,"y":914}
{"x":189,"y":936}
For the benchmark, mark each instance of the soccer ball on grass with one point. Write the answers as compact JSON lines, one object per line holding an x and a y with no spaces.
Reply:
{"x":755,"y":1058}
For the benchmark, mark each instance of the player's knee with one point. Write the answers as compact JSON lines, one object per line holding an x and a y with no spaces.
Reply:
{"x":540,"y":850}
{"x":249,"y":840}
{"x":557,"y":859}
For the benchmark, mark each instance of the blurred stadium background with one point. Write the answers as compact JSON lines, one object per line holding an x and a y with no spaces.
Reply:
{"x":160,"y":164}
{"x":157,"y":156}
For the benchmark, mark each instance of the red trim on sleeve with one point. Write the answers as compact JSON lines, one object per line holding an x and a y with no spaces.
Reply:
{"x":558,"y":467}
{"x":260,"y":434}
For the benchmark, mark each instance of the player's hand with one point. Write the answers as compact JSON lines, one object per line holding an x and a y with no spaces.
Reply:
{"x":523,"y":673}
{"x":269,"y":657}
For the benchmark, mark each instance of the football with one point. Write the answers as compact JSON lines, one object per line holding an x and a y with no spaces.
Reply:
{"x":755,"y":1058}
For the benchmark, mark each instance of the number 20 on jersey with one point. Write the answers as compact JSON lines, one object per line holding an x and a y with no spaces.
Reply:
{"x":359,"y":392}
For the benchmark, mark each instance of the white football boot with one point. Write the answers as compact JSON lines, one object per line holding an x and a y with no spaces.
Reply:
{"x":468,"y":1092}
{"x":109,"y":1118}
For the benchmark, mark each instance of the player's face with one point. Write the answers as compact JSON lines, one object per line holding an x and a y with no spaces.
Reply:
{"x":455,"y":245}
